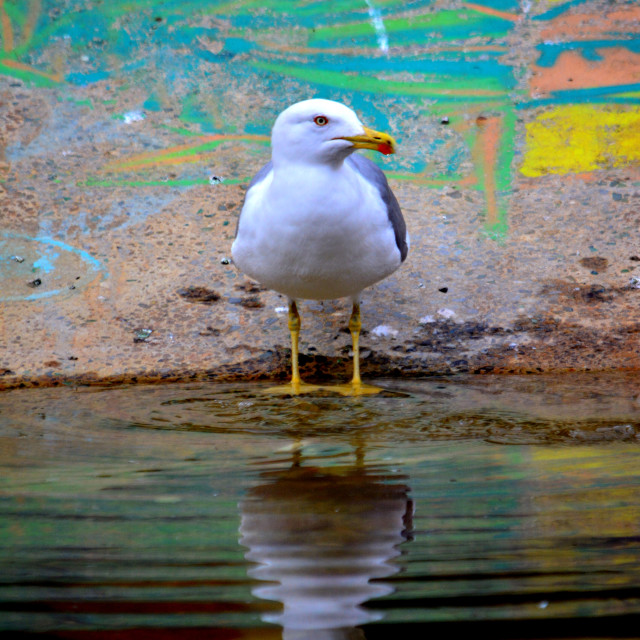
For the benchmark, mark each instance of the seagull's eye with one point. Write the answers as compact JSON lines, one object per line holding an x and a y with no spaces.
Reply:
{"x":321,"y":121}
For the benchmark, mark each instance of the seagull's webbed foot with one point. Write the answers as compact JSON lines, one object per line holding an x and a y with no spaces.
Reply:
{"x":355,"y":325}
{"x":356,"y":387}
{"x":293,"y":388}
{"x":352,"y":389}
{"x":296,"y":386}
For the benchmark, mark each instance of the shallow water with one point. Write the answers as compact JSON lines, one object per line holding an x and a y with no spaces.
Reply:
{"x":505,"y":505}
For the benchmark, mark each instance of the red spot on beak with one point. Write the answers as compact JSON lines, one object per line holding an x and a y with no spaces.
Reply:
{"x":385,"y":149}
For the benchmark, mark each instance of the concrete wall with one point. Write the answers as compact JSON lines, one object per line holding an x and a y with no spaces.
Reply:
{"x":130,"y":130}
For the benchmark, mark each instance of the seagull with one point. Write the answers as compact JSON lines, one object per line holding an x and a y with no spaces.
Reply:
{"x":320,"y":222}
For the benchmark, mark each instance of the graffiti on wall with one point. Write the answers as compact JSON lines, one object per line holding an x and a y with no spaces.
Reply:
{"x":470,"y":106}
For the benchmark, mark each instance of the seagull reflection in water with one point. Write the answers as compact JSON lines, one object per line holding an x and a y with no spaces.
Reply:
{"x":319,"y":536}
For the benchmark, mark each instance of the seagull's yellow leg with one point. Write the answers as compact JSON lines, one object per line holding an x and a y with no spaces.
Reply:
{"x":355,"y":388}
{"x":296,"y":386}
{"x":355,"y":325}
{"x":294,"y":330}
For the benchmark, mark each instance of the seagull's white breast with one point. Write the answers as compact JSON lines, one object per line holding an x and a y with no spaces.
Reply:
{"x":316,"y":232}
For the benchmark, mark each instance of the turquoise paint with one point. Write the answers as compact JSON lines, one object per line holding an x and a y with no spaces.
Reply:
{"x":451,"y":67}
{"x":511,"y":6}
{"x":52,"y":242}
{"x":505,"y":157}
{"x":36,"y":296}
{"x":123,"y":35}
{"x":194,"y":112}
{"x":180,"y":182}
{"x":588,"y":49}
{"x":16,"y":12}
{"x":459,"y":155}
{"x":164,"y":48}
{"x":586,"y":95}
{"x":236,"y":46}
{"x":405,"y":89}
{"x":152,"y":103}
{"x":83,"y":79}
{"x":46,"y":262}
{"x":559,"y":10}
{"x":589,"y":95}
{"x":490,"y":28}
{"x":84,"y":255}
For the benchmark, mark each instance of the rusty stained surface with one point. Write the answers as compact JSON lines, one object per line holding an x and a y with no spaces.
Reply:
{"x":517,"y":173}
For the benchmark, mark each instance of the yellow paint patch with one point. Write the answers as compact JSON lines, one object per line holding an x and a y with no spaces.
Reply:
{"x":582,"y":138}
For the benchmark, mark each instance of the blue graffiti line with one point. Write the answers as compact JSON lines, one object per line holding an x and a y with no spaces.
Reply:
{"x":35,"y":296}
{"x":559,"y":10}
{"x":87,"y":257}
{"x":46,"y":262}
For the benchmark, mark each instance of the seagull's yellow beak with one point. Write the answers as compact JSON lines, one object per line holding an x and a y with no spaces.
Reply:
{"x":375,"y":140}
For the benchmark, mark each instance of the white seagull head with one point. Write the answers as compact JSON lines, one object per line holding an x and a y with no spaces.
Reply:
{"x":322,"y":131}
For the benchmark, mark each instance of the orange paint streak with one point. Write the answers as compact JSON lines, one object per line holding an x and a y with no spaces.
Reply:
{"x":7,"y":29}
{"x":35,"y":7}
{"x":505,"y":15}
{"x":151,"y":157}
{"x":157,"y":162}
{"x":486,"y":158}
{"x":14,"y":64}
{"x":618,"y":66}
{"x":158,"y":157}
{"x":593,"y":26}
{"x":470,"y":181}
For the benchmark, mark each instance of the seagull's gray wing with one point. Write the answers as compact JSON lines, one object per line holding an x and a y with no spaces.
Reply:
{"x":370,"y":171}
{"x":259,"y":177}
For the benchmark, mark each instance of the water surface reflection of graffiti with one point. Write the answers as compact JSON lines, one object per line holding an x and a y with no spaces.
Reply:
{"x":451,"y":80}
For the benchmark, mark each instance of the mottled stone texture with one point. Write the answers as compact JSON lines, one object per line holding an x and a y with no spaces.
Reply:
{"x":128,"y":138}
